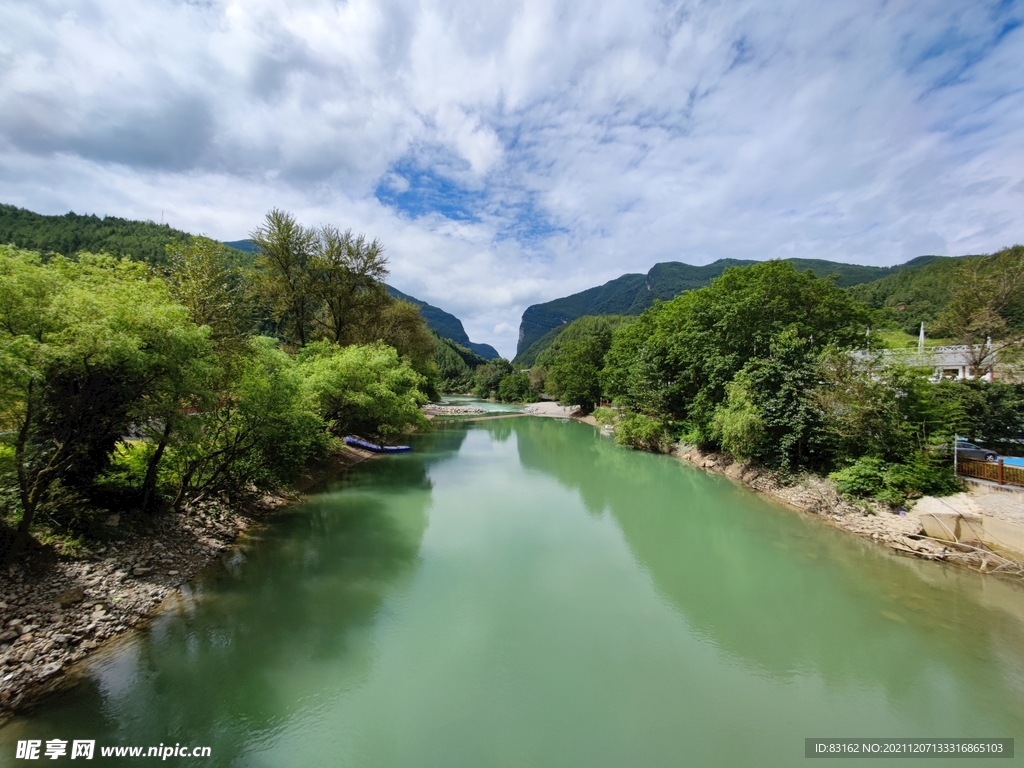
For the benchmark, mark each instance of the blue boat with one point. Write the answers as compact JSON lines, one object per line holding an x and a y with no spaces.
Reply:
{"x":366,"y":445}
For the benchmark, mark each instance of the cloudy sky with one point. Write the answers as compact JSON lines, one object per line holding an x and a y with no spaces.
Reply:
{"x":512,"y":152}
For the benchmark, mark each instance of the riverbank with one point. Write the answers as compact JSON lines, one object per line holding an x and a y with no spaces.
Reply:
{"x":815,"y":495}
{"x":54,"y":611}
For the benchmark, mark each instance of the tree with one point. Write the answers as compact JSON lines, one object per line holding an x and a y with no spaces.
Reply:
{"x":488,"y":377}
{"x":204,"y":281}
{"x":362,"y":389}
{"x":347,"y":280}
{"x":258,"y":434}
{"x":89,"y":349}
{"x":678,"y":358}
{"x":284,"y":275}
{"x":986,"y":308}
{"x":514,"y":388}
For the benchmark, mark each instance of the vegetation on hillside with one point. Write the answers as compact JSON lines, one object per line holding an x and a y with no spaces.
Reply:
{"x":128,"y":388}
{"x":456,"y":365}
{"x":631,"y":294}
{"x":72,"y":233}
{"x":915,"y":294}
{"x":757,"y":364}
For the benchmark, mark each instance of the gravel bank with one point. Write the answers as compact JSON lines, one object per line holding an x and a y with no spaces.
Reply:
{"x":54,"y":611}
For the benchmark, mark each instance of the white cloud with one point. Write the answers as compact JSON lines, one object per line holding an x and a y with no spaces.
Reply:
{"x":582,"y":139}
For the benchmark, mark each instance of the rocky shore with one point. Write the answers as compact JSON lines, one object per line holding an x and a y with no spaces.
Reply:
{"x":808,"y":493}
{"x":54,"y":611}
{"x":452,"y":410}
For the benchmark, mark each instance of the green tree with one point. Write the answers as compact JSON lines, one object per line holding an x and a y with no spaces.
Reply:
{"x":284,"y":276}
{"x":258,"y":434}
{"x":679,"y":357}
{"x":347,"y":281}
{"x":986,"y":307}
{"x":205,"y":281}
{"x":90,"y":348}
{"x":364,"y":390}
{"x":514,"y":388}
{"x":488,"y":377}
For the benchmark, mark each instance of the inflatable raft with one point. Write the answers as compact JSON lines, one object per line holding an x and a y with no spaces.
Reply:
{"x":365,"y":444}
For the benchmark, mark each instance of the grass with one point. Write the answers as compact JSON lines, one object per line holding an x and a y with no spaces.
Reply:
{"x":898,"y":339}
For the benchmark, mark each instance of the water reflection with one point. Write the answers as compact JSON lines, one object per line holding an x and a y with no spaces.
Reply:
{"x":251,"y":637}
{"x":788,"y":594}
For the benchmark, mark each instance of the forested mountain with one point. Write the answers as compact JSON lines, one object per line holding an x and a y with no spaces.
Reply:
{"x":143,"y":240}
{"x":72,"y":233}
{"x":456,"y":364}
{"x":632,"y":293}
{"x":445,"y":324}
{"x":917,"y":293}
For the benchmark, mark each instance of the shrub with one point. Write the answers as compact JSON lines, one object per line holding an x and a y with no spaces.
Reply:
{"x":643,"y":433}
{"x":893,"y":484}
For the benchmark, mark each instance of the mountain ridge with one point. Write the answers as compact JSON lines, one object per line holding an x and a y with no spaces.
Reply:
{"x":632,"y":293}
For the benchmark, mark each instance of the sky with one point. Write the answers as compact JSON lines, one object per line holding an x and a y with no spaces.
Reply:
{"x":508,"y":153}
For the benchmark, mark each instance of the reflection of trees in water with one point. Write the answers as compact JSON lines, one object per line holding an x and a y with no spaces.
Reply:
{"x":786,"y":594}
{"x":288,"y":609}
{"x":499,"y":429}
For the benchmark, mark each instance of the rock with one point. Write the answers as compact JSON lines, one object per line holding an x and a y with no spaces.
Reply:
{"x":112,"y":521}
{"x":141,"y":570}
{"x":49,"y":670}
{"x":8,"y":635}
{"x":70,"y":596}
{"x":172,"y":573}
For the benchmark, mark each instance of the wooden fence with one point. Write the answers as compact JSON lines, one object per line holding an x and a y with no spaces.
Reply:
{"x":995,"y":471}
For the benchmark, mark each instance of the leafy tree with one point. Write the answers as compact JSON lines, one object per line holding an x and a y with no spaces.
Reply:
{"x":679,"y":357}
{"x":88,"y":349}
{"x":259,"y":433}
{"x":284,"y":275}
{"x":365,"y":390}
{"x":514,"y":388}
{"x":986,"y":307}
{"x":488,"y":377}
{"x":770,"y":413}
{"x":205,"y":281}
{"x":570,"y":366}
{"x":347,"y":275}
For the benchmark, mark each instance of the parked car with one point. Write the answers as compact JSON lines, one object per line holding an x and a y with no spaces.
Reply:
{"x":965,"y":450}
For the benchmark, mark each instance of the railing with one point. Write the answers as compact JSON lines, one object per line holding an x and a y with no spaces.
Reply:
{"x":994,"y":471}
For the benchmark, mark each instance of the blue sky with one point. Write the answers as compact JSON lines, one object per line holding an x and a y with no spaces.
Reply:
{"x":509,"y":153}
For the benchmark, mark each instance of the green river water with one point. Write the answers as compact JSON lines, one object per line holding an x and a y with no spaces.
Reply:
{"x":521,"y":592}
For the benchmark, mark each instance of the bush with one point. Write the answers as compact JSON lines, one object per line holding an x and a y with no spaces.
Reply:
{"x":605,"y":415}
{"x":893,"y":484}
{"x":643,"y":433}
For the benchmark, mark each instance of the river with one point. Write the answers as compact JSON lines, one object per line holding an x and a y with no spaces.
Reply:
{"x":522,"y":592}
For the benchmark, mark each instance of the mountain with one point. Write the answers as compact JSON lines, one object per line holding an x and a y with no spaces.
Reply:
{"x":632,"y":293}
{"x":917,"y":293}
{"x":445,"y":324}
{"x":73,"y":233}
